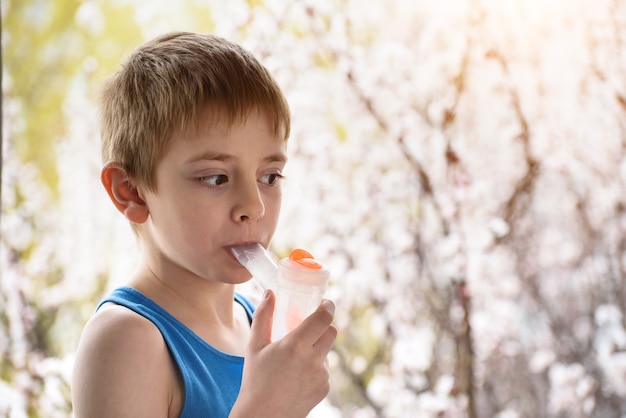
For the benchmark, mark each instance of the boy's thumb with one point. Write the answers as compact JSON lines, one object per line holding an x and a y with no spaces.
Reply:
{"x":261,"y":330}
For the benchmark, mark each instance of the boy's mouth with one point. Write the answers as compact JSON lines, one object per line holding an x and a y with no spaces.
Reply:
{"x":256,"y":260}
{"x":241,"y":248}
{"x":244,"y":252}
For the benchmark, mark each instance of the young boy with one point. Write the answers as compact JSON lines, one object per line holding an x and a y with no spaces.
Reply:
{"x":194,"y":135}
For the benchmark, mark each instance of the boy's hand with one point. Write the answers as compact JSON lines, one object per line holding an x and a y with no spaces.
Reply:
{"x":289,"y":377}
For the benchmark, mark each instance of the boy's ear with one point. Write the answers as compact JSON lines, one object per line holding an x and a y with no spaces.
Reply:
{"x":123,"y":193}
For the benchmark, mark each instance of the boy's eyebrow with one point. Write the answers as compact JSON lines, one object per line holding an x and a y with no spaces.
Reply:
{"x":218,"y":156}
{"x":210,"y":156}
{"x":279,"y":157}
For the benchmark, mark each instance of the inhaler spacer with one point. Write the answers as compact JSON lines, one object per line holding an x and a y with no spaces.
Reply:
{"x":299,"y":282}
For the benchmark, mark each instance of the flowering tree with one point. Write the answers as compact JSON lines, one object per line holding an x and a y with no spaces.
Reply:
{"x":459,"y":167}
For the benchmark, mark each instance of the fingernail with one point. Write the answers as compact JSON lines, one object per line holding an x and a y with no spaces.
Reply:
{"x":329,"y":306}
{"x":266,"y":294}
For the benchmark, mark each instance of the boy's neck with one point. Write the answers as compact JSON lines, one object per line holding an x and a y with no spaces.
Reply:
{"x":208,"y":309}
{"x":187,"y":299}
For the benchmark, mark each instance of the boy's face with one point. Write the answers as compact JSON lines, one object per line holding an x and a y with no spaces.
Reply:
{"x":215,"y":188}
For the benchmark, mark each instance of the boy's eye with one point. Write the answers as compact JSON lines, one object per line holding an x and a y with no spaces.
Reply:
{"x":215,"y":180}
{"x":271,"y":179}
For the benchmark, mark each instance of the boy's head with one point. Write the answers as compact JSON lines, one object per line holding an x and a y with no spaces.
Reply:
{"x":167,"y":83}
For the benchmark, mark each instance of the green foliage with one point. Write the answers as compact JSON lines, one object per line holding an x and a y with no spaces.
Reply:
{"x":363,"y":342}
{"x":45,"y":47}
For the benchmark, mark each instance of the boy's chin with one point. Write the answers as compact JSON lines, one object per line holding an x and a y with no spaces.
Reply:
{"x":242,"y":278}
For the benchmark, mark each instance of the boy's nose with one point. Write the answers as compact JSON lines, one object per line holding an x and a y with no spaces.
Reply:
{"x":250,"y":206}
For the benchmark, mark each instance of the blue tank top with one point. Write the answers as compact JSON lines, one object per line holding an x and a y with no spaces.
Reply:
{"x":211,"y":377}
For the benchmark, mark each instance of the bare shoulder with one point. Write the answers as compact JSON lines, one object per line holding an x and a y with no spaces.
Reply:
{"x":123,"y":368}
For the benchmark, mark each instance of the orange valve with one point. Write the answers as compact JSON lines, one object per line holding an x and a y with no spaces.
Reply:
{"x":305,"y":259}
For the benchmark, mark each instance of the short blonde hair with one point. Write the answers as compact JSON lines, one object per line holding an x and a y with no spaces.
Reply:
{"x":164,"y":86}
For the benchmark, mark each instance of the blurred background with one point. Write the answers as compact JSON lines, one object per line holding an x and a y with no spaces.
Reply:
{"x":459,"y":165}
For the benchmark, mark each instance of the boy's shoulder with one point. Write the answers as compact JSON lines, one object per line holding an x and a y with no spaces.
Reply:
{"x":116,"y":333}
{"x":114,"y":321}
{"x":122,"y":355}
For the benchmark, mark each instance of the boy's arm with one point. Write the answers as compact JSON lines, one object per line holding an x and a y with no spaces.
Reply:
{"x":289,"y":377}
{"x":122,"y":368}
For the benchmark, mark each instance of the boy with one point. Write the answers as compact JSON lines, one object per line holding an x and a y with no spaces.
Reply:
{"x":194,"y":134}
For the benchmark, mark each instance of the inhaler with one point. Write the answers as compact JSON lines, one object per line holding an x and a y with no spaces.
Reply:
{"x":299,"y":282}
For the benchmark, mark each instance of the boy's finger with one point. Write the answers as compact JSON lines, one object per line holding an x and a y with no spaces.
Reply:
{"x":261,"y":330}
{"x":315,"y":325}
{"x":326,"y":341}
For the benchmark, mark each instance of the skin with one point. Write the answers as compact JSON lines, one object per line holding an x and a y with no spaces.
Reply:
{"x":214,"y":188}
